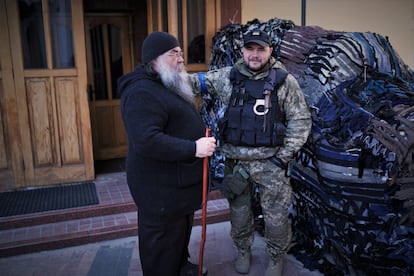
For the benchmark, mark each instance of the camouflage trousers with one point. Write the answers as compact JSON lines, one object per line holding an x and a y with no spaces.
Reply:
{"x":275,"y":199}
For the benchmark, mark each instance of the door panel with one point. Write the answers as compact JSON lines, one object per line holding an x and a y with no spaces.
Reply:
{"x":3,"y":151}
{"x":7,"y":180}
{"x":53,"y":112}
{"x":40,"y":113}
{"x":68,"y":117}
{"x":54,"y":131}
{"x":109,"y":57}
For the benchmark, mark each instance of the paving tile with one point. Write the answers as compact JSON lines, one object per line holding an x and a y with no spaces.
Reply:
{"x":112,"y":260}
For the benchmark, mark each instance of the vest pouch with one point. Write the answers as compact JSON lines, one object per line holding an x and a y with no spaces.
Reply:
{"x":247,"y":117}
{"x":232,"y":132}
{"x":248,"y":138}
{"x":235,"y":181}
{"x":279,"y":132}
{"x":263,"y":141}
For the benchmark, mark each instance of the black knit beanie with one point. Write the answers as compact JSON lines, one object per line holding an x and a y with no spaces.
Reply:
{"x":156,"y":44}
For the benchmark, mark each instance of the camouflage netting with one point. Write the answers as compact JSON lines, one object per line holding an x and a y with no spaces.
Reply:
{"x":353,"y":208}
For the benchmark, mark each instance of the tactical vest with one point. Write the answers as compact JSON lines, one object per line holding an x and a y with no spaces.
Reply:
{"x":252,"y":118}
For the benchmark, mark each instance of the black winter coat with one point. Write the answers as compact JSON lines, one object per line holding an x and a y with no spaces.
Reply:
{"x":163,"y":174}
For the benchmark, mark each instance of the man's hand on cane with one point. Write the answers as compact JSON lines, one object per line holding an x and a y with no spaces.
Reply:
{"x":205,"y":147}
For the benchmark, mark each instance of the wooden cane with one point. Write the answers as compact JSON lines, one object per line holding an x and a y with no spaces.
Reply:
{"x":204,"y":211}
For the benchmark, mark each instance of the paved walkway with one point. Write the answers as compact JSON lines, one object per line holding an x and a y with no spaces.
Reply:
{"x":120,"y":257}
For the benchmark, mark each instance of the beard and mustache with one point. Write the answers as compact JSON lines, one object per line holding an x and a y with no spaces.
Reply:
{"x":176,"y":79}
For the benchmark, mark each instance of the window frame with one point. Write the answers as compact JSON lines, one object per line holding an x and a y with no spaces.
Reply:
{"x":176,"y":24}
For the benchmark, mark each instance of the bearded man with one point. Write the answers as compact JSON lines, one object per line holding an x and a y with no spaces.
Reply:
{"x":166,"y":148}
{"x":265,"y":123}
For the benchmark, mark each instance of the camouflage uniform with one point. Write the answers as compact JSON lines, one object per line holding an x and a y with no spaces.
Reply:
{"x":274,"y":186}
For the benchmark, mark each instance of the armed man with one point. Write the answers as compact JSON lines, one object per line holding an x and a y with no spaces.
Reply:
{"x":265,"y":122}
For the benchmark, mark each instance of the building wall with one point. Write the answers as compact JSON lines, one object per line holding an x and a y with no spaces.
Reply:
{"x":394,"y":19}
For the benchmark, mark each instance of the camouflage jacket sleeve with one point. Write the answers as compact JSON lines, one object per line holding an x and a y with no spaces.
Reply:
{"x":298,"y":117}
{"x":216,"y":83}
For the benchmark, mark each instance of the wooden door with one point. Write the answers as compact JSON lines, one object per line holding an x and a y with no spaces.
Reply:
{"x":108,"y":58}
{"x":47,"y":116}
{"x":11,"y":165}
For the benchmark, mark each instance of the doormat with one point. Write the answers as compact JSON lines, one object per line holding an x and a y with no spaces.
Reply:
{"x":47,"y":199}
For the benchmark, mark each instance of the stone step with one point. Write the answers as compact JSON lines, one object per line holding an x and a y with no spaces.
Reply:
{"x":61,"y":229}
{"x":33,"y":219}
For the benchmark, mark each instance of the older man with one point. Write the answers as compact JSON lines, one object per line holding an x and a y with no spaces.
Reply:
{"x":165,"y":152}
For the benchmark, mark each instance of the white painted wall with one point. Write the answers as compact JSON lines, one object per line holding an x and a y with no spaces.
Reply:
{"x":391,"y":18}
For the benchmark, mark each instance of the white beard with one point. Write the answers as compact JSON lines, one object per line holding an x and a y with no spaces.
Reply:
{"x":176,"y":80}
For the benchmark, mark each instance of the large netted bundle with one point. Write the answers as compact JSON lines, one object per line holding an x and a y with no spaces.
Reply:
{"x":353,"y":207}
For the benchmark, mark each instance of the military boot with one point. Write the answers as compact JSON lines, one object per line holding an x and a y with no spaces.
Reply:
{"x":275,"y":268}
{"x":242,"y":263}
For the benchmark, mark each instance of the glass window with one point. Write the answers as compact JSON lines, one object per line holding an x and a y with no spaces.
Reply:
{"x":196,"y":26}
{"x":99,"y":70}
{"x":115,"y":48}
{"x":106,"y":38}
{"x":154,"y":9}
{"x":188,"y":21}
{"x":32,"y":34}
{"x":61,"y":33}
{"x":165,"y":15}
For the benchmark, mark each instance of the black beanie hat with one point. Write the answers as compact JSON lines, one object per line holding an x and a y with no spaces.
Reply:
{"x":156,"y":44}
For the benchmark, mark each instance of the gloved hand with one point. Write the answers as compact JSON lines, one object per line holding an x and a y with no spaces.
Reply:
{"x":287,"y":166}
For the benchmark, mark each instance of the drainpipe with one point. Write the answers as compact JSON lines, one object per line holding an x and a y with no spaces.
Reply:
{"x":303,"y":15}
